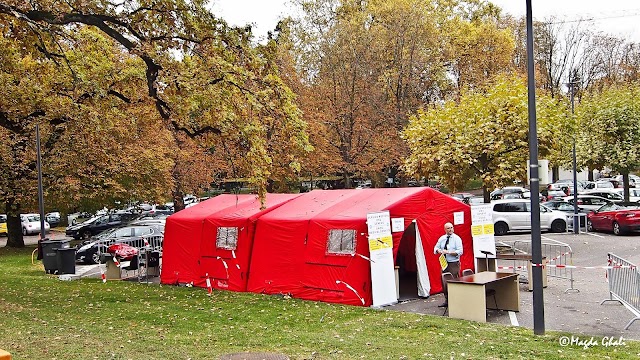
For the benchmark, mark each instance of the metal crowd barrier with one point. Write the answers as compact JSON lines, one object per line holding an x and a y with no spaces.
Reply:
{"x":624,"y":285}
{"x":556,"y":253}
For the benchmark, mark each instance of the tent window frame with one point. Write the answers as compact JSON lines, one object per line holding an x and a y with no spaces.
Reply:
{"x":227,"y":238}
{"x":341,"y":242}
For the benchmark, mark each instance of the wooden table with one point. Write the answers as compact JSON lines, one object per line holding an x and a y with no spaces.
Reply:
{"x":517,"y":260}
{"x":468,"y":300}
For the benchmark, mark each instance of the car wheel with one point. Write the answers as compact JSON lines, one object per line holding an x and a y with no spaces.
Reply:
{"x":589,"y":226}
{"x":617,"y":230}
{"x":558,"y":226}
{"x":86,"y":235}
{"x":94,"y":258}
{"x":501,"y":228}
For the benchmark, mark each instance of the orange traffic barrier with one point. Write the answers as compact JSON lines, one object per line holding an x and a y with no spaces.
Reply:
{"x":4,"y":355}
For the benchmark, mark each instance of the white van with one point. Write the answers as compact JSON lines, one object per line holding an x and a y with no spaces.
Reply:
{"x":515,"y":214}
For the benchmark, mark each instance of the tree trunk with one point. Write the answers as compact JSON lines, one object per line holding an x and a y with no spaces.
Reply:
{"x":486,"y":194}
{"x":14,"y":225}
{"x":347,"y":180}
{"x":625,"y":184}
{"x":178,"y":200}
{"x":589,"y":174}
{"x":555,"y":174}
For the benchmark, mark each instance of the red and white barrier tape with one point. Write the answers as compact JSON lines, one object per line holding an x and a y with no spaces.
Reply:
{"x":352,"y":289}
{"x":362,"y":256}
{"x":233,"y":253}
{"x":102,"y":275}
{"x":115,"y":261}
{"x":226,"y":268}
{"x":209,"y":288}
{"x":559,"y":256}
{"x":570,"y":267}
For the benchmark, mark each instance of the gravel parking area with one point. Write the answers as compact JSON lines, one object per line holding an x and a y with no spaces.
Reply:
{"x":573,"y":311}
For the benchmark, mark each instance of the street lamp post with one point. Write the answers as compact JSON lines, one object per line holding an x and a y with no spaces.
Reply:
{"x":576,"y":219}
{"x":40,"y":192}
{"x":534,"y":185}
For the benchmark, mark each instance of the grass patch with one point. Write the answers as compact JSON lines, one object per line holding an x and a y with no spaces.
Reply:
{"x":44,"y":318}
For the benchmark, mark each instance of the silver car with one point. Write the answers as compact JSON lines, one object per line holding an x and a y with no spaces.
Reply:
{"x":588,"y":202}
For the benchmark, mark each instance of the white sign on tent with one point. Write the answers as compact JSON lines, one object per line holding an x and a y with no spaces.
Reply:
{"x":383,"y":280}
{"x":482,"y":231}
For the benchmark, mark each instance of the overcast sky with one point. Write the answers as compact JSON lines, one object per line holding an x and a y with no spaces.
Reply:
{"x":616,"y":17}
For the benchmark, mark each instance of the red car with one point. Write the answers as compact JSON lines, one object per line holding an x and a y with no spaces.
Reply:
{"x":618,"y":218}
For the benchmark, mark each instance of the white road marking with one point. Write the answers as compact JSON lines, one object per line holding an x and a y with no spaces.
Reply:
{"x":514,"y":319}
{"x":547,"y":238}
{"x":596,"y":235}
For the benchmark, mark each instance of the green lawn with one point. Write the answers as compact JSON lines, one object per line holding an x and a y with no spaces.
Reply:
{"x":44,"y":318}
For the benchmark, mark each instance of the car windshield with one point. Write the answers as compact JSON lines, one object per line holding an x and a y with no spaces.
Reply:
{"x":33,"y":218}
{"x":89,"y":221}
{"x":105,"y":234}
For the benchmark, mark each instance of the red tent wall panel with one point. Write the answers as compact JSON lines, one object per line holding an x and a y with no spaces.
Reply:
{"x":280,"y":239}
{"x":233,"y":276}
{"x":183,"y":231}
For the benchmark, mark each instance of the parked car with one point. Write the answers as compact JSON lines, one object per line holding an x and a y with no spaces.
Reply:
{"x":98,"y":224}
{"x":618,"y":218}
{"x":3,"y":224}
{"x":474,"y":200}
{"x":565,"y":207}
{"x":515,"y":214}
{"x":461,"y":195}
{"x":501,"y":192}
{"x":555,"y":194}
{"x":634,"y":180}
{"x":90,"y":253}
{"x":31,"y":224}
{"x":599,"y":185}
{"x":132,"y":230}
{"x":608,"y":194}
{"x":588,"y":202}
{"x":53,"y":218}
{"x":561,"y":205}
{"x":564,"y":186}
{"x":78,"y":217}
{"x":634,"y":193}
{"x":159,"y":213}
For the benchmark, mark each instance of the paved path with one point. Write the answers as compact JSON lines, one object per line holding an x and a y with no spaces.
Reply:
{"x":33,"y":239}
{"x":576,"y":312}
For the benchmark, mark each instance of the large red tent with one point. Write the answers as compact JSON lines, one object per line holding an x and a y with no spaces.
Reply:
{"x":295,"y":251}
{"x":213,"y":240}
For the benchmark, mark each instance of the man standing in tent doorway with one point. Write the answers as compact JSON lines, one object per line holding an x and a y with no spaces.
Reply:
{"x":450,"y":245}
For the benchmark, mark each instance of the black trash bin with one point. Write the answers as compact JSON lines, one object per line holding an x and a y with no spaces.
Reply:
{"x":66,"y":260}
{"x":50,"y":255}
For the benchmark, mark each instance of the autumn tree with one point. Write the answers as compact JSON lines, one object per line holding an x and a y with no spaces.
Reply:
{"x":94,"y":150}
{"x":345,"y":100}
{"x":610,"y":130}
{"x":200,"y":77}
{"x":485,"y":134}
{"x":366,"y":65}
{"x":477,"y":47}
